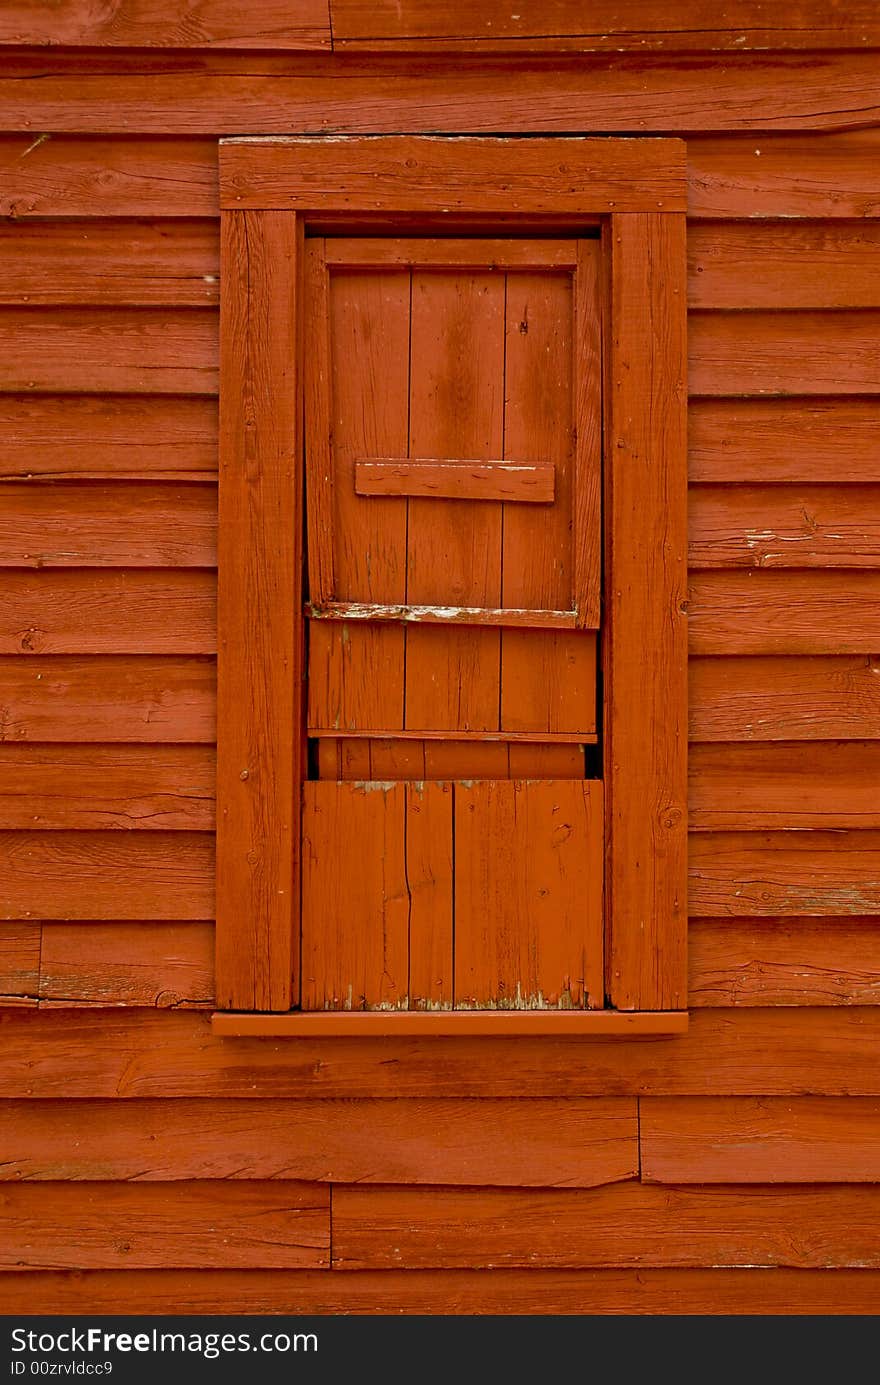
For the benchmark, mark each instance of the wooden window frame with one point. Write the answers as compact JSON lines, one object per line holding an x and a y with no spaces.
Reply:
{"x":272,"y":190}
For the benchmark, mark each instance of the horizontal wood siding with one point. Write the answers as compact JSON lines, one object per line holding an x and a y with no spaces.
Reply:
{"x":468,"y":1175}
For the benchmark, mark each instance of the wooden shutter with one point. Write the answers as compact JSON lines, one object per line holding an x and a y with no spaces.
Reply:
{"x":489,"y":831}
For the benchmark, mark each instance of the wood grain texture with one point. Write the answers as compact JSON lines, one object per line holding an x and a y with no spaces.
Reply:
{"x":539,"y":1143}
{"x":784,"y":526}
{"x":19,"y":963}
{"x":772,"y":699}
{"x":107,"y":612}
{"x":433,"y":175}
{"x":103,"y":263}
{"x":784,"y":1051}
{"x":606,"y":94}
{"x":156,"y":964}
{"x":777,"y":873}
{"x":750,"y":440}
{"x":784,"y":961}
{"x":645,"y":752}
{"x":645,"y":1291}
{"x":110,"y":350}
{"x":623,"y":1224}
{"x":784,"y":785}
{"x":610,"y":26}
{"x":130,"y":787}
{"x":783,"y":353}
{"x":198,"y":1224}
{"x":753,"y":1140}
{"x":50,"y":176}
{"x":260,"y":636}
{"x":528,"y":895}
{"x":767,"y":612}
{"x":303,"y":24}
{"x":775,"y":175}
{"x":107,"y":698}
{"x":72,"y":524}
{"x":101,"y":437}
{"x":107,"y":875}
{"x":805,"y":264}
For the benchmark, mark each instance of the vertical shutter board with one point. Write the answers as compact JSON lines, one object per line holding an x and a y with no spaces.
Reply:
{"x":260,"y":634}
{"x":528,"y":895}
{"x":587,"y":525}
{"x":454,"y":550}
{"x":430,"y":884}
{"x":547,"y":677}
{"x":317,"y":425}
{"x":355,"y":677}
{"x":646,"y":661}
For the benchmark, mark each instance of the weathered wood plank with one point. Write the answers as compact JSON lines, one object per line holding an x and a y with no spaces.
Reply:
{"x":750,"y":787}
{"x":768,"y":1140}
{"x":766,"y":612}
{"x":19,"y":963}
{"x":774,"y":175}
{"x":783,"y":264}
{"x":107,"y":698}
{"x":770,"y":699}
{"x":829,"y":1051}
{"x":126,"y":524}
{"x":105,"y":264}
{"x":150,"y":788}
{"x":461,"y":1292}
{"x":108,"y":612}
{"x":784,"y":526}
{"x":623,"y":1224}
{"x":165,"y":965}
{"x":198,"y":1224}
{"x":107,"y":875}
{"x":100,"y":437}
{"x":760,"y":440}
{"x":784,"y":353}
{"x":288,"y":24}
{"x":784,"y":961}
{"x":773,"y":873}
{"x":575,"y":1142}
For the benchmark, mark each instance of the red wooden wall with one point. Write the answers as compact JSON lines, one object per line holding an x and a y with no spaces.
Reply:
{"x":147,"y":1164}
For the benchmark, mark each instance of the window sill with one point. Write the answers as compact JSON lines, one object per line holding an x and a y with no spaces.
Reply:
{"x":364,"y":1024}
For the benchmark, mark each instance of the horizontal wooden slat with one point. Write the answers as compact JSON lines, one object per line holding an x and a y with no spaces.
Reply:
{"x":289,"y":24}
{"x":43,"y":175}
{"x":101,"y":612}
{"x":767,"y":699}
{"x":100,"y":436}
{"x":108,"y":263}
{"x":784,"y":264}
{"x":604,"y":25}
{"x":106,"y":875}
{"x":784,"y":353}
{"x":169,"y":1053}
{"x":444,"y":615}
{"x":784,"y":526}
{"x":116,"y":350}
{"x":455,"y":480}
{"x":156,"y":964}
{"x":773,"y":175}
{"x":274,"y":95}
{"x":624,"y":1224}
{"x":477,"y":176}
{"x":460,"y":1292}
{"x":107,"y":698}
{"x":199,"y":1224}
{"x":385,"y":1023}
{"x":151,"y":788}
{"x":772,"y":873}
{"x":70,"y":524}
{"x":783,"y":785}
{"x":471,"y":252}
{"x":19,"y":963}
{"x":759,"y":612}
{"x":744,"y":1140}
{"x":761,"y":440}
{"x":784,"y":961}
{"x":577,"y":1142}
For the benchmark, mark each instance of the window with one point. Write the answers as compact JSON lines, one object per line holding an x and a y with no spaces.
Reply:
{"x":452,"y":740}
